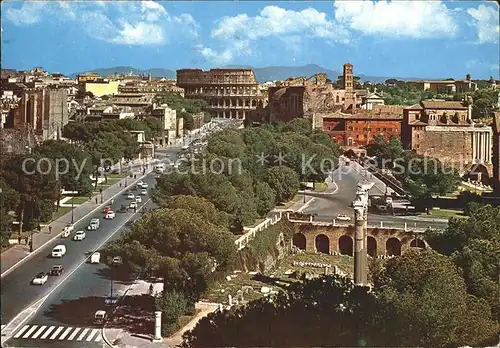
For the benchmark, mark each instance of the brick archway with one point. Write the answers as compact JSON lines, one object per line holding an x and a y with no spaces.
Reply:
{"x":299,"y":241}
{"x":417,"y":243}
{"x":393,"y":247}
{"x":371,"y":246}
{"x":322,"y":243}
{"x":346,"y":245}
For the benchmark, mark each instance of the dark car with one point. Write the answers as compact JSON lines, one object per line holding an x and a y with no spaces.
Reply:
{"x":56,"y":270}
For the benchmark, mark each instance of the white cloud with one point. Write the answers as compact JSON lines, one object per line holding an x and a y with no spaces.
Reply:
{"x":119,"y":22}
{"x":239,"y":32}
{"x":486,"y":18}
{"x":414,"y":19}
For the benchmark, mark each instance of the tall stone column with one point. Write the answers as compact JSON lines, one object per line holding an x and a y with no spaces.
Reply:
{"x":360,"y":262}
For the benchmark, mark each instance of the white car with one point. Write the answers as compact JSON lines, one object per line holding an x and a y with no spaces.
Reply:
{"x":110,"y":215}
{"x":144,"y":192}
{"x":69,"y":228}
{"x":343,"y":217}
{"x":138,"y":199}
{"x":140,"y":182}
{"x":144,"y":185}
{"x":40,"y":279}
{"x":133,"y":205}
{"x":130,"y":196}
{"x":80,"y":235}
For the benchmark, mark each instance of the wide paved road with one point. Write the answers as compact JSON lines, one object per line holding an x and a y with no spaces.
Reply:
{"x":327,"y":207}
{"x":61,"y":311}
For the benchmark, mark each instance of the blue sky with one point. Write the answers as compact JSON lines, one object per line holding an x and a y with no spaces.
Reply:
{"x":381,"y":38}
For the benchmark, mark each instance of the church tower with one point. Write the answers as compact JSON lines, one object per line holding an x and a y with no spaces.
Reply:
{"x":350,"y":102}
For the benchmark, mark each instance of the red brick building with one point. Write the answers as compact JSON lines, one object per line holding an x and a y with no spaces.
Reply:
{"x":360,"y":128}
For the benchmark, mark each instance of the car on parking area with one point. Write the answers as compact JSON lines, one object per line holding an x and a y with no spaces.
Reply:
{"x":79,"y":235}
{"x":110,"y":215}
{"x":40,"y":279}
{"x":133,"y":205}
{"x":56,"y":270}
{"x":138,"y":199}
{"x":144,"y":185}
{"x":343,"y":217}
{"x":144,"y":192}
{"x":130,"y":196}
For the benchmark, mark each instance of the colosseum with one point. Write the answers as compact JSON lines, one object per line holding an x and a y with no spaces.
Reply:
{"x":230,"y":93}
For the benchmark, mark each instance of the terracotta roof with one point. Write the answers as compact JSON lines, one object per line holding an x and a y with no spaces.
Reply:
{"x":415,"y":107}
{"x":396,"y":109}
{"x":441,"y":104}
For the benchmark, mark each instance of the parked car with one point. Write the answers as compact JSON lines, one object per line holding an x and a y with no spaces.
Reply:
{"x":343,"y":217}
{"x":139,"y":183}
{"x":40,"y":279}
{"x":130,"y":196}
{"x":65,"y":233}
{"x":138,"y":199}
{"x":144,"y":185}
{"x":133,"y":205}
{"x":56,"y":270}
{"x":110,"y":215}
{"x":80,"y":235}
{"x":144,"y":192}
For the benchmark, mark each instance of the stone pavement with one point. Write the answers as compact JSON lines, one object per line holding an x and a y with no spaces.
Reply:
{"x":15,"y":254}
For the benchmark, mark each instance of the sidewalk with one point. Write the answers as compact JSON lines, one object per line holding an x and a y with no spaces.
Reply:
{"x":121,"y":338}
{"x":15,"y":254}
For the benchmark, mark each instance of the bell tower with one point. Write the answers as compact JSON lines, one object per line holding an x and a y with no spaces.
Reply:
{"x":350,"y":101}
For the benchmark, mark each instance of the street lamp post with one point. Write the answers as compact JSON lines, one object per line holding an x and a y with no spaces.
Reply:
{"x":72,"y":209}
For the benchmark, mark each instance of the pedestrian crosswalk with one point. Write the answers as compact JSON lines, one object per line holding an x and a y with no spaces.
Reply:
{"x":61,"y":333}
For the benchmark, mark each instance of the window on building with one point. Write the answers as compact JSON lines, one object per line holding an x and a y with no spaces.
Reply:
{"x":349,"y":141}
{"x":384,"y":129}
{"x":378,"y":129}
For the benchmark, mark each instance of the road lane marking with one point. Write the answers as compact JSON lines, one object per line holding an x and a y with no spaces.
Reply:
{"x":59,"y":329}
{"x":3,"y":326}
{"x":47,"y":333}
{"x":92,"y":334}
{"x":20,"y":332}
{"x":39,"y":332}
{"x":82,"y":335}
{"x":65,"y":333}
{"x":30,"y":331}
{"x":75,"y":332}
{"x":98,"y":338}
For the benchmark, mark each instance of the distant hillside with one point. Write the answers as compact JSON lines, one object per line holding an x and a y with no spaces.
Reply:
{"x":263,"y":74}
{"x":155,"y":72}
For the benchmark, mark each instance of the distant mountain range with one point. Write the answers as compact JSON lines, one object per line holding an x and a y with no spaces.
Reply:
{"x":270,"y":73}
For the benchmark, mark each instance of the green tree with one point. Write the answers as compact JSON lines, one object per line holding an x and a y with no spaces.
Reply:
{"x":429,"y":304}
{"x":265,"y":198}
{"x":72,"y":159}
{"x":172,"y":304}
{"x":284,"y":181}
{"x":178,"y":245}
{"x":155,"y":125}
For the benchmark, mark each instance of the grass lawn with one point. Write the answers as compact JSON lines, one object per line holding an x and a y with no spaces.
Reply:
{"x":62,"y":211}
{"x":111,"y":181}
{"x":320,"y":186}
{"x":444,"y":214}
{"x":77,"y":200}
{"x":250,"y":285}
{"x":287,"y":205}
{"x":185,"y":319}
{"x":118,"y":176}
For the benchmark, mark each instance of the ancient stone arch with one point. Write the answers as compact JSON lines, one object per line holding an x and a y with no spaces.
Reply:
{"x":346,"y":245}
{"x":393,"y":246}
{"x":372,"y":246}
{"x":299,"y":241}
{"x":417,"y":243}
{"x":322,"y":243}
